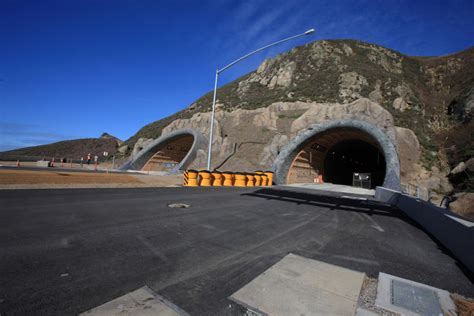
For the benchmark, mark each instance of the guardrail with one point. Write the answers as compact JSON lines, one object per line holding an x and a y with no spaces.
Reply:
{"x":451,"y":230}
{"x":206,"y":178}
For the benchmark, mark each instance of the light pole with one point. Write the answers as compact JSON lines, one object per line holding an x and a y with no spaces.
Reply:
{"x":218,"y":71}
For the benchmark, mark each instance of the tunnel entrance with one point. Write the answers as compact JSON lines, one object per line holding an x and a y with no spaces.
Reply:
{"x":353,"y":156}
{"x":169,"y":154}
{"x":333,"y":151}
{"x":172,"y":152}
{"x":336,"y":155}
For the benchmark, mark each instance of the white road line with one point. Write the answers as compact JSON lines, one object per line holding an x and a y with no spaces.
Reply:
{"x":375,"y":224}
{"x":152,"y":248}
{"x":353,"y":197}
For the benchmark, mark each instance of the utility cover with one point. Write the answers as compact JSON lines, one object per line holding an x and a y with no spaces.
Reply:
{"x":416,"y":299}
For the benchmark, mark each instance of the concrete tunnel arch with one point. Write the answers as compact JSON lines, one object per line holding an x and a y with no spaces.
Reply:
{"x":349,"y":130}
{"x":170,"y":153}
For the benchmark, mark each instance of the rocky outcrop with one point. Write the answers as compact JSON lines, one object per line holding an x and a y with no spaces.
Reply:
{"x":123,"y":149}
{"x":140,"y":144}
{"x":409,"y":152}
{"x":463,"y":205}
{"x":461,"y":167}
{"x":400,"y":104}
{"x":350,"y":86}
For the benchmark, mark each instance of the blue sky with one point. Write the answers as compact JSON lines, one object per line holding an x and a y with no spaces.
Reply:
{"x":77,"y":68}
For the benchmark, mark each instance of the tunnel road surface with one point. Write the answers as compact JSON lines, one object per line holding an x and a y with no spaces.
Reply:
{"x":66,"y":251}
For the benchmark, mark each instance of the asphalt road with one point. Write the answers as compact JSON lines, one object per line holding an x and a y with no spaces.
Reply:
{"x":65,"y":251}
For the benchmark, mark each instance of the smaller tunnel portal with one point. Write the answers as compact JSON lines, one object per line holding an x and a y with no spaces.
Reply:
{"x":336,"y":155}
{"x":169,"y":154}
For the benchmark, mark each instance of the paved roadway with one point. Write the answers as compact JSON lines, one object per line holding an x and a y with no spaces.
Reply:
{"x":65,"y":251}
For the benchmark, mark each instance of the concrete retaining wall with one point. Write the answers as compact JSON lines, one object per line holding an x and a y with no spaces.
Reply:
{"x":453,"y":232}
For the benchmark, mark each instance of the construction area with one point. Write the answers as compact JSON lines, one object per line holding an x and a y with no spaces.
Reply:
{"x":36,"y":178}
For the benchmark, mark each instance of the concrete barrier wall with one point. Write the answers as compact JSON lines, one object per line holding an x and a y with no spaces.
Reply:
{"x":449,"y":229}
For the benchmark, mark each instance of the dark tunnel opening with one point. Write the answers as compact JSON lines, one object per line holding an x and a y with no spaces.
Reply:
{"x":353,"y":156}
{"x":334,"y":156}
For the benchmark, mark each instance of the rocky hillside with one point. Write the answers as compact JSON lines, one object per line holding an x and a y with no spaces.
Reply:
{"x":432,"y":96}
{"x":70,"y":149}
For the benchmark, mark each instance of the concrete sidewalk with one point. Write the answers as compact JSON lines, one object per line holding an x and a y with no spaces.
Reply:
{"x":301,"y":286}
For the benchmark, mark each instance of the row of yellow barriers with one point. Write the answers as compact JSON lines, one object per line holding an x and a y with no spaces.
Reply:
{"x":205,"y":178}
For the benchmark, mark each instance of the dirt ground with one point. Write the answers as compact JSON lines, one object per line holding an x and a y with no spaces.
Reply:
{"x":30,"y":179}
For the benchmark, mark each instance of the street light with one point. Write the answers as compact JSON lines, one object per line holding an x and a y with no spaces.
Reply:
{"x":218,"y":71}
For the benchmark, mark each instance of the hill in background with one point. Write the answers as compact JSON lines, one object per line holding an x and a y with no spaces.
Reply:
{"x":70,"y":149}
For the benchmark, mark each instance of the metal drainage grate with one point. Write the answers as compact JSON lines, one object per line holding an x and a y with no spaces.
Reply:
{"x":416,"y":299}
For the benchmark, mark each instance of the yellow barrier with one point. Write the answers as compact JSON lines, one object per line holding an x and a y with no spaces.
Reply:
{"x":216,"y":179}
{"x":269,"y":174}
{"x":250,"y":180}
{"x":258,"y":179}
{"x":205,"y":178}
{"x":239,"y":180}
{"x":185,"y":178}
{"x":190,"y":178}
{"x":228,"y":181}
{"x":263,"y":178}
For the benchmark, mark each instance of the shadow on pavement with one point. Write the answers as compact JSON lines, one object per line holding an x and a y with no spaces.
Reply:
{"x":332,"y":202}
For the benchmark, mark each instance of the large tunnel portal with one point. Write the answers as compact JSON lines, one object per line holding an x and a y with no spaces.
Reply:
{"x":338,"y":151}
{"x":336,"y":156}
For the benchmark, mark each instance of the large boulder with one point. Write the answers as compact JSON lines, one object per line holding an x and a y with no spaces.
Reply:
{"x":461,"y":167}
{"x":409,"y":152}
{"x":123,"y":149}
{"x":463,"y":205}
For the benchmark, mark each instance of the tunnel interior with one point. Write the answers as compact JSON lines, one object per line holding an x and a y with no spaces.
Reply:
{"x":353,"y":156}
{"x":337,"y":155}
{"x":168,"y":155}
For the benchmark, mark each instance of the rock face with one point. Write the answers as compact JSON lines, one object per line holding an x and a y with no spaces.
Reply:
{"x":409,"y":152}
{"x":140,"y":144}
{"x":350,"y":86}
{"x":123,"y":149}
{"x":251,"y":139}
{"x":463,"y":205}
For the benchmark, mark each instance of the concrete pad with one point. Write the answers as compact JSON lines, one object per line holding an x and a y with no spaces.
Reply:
{"x":411,"y":298}
{"x":365,"y":312}
{"x":139,"y":302}
{"x":300,"y":286}
{"x":333,"y":188}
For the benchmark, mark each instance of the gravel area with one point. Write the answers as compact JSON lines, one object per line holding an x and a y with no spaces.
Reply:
{"x":367,"y":297}
{"x":57,"y":179}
